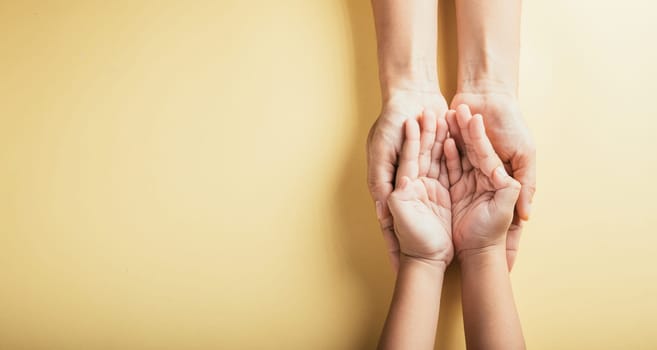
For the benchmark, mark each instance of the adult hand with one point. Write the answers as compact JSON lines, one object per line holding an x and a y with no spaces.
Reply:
{"x":384,"y":146}
{"x":514,"y":145}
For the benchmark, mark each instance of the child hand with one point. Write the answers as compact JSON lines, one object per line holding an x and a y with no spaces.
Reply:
{"x":420,"y":203}
{"x":483,"y":194}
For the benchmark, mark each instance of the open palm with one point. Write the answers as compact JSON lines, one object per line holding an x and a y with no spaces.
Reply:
{"x":420,"y":203}
{"x":483,"y":195}
{"x":384,"y":145}
{"x":514,"y":145}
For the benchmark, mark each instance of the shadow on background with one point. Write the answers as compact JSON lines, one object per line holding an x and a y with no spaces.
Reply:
{"x":360,"y":237}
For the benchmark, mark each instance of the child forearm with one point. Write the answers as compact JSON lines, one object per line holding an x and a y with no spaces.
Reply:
{"x":413,"y":315}
{"x":489,"y":312}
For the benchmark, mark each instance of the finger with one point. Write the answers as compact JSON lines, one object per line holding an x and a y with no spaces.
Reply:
{"x":443,"y":177}
{"x":455,"y":133}
{"x":379,"y":181}
{"x":437,"y":151}
{"x":380,"y":177}
{"x":513,"y":241}
{"x":408,"y":159}
{"x":392,"y":245}
{"x":431,"y":190}
{"x":465,"y":163}
{"x":453,"y":161}
{"x":507,"y":189}
{"x":487,"y":159}
{"x":381,"y":160}
{"x":381,"y":166}
{"x":380,"y":173}
{"x":405,"y":190}
{"x":454,"y":130}
{"x":463,"y":118}
{"x":388,"y":231}
{"x":427,"y":137}
{"x":524,"y":170}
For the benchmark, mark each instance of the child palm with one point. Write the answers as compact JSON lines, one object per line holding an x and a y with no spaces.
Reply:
{"x":420,"y":203}
{"x":483,"y":195}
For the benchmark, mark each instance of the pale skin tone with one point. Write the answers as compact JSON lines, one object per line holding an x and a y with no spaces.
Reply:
{"x":421,"y":207}
{"x":488,"y":47}
{"x":452,"y":203}
{"x":483,"y":196}
{"x":407,"y":51}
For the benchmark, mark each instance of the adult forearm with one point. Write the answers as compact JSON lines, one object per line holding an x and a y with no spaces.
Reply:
{"x":488,"y":45}
{"x":489,"y":312}
{"x":413,"y":315}
{"x":406,"y":32}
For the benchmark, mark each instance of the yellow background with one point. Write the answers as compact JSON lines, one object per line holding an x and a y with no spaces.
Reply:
{"x":191,"y":175}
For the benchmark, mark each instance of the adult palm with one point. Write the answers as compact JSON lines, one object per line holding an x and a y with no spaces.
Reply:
{"x":513,"y":144}
{"x":384,"y":145}
{"x":482,"y":194}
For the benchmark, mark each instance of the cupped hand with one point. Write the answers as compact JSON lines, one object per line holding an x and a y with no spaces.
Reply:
{"x":420,"y":203}
{"x":483,"y":194}
{"x":384,"y":145}
{"x":514,"y":145}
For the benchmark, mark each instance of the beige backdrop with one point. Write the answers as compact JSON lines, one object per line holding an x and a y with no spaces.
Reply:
{"x":191,"y":175}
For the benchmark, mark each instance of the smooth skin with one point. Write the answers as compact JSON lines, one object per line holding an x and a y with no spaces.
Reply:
{"x":458,"y":201}
{"x":488,"y":49}
{"x":483,"y":197}
{"x":407,"y":38}
{"x":421,"y":207}
{"x":488,"y":44}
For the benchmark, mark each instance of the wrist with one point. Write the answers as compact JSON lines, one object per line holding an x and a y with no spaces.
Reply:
{"x":405,"y":87}
{"x":413,"y":95}
{"x":419,"y":77}
{"x":483,"y":256}
{"x":487,"y":71}
{"x":487,"y":98}
{"x":484,"y":84}
{"x":488,"y":62}
{"x":415,"y":262}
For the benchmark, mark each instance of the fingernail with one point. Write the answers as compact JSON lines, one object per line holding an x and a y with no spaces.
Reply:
{"x":379,"y":210}
{"x":529,"y":211}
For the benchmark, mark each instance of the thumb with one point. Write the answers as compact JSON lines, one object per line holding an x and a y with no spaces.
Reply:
{"x":399,"y":195}
{"x":524,"y":169}
{"x":507,"y":189}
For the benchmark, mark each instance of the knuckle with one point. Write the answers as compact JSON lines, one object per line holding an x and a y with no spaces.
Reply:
{"x":386,"y":224}
{"x":379,"y":190}
{"x":529,"y":188}
{"x":529,"y":150}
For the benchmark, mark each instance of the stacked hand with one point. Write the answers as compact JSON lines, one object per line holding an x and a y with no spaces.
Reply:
{"x":452,"y":197}
{"x":446,"y":193}
{"x":505,"y":129}
{"x":514,"y":145}
{"x":444,"y":182}
{"x":384,"y":146}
